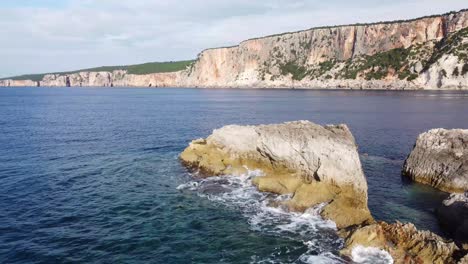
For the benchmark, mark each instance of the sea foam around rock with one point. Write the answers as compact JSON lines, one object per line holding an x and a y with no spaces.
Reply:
{"x":264,"y":214}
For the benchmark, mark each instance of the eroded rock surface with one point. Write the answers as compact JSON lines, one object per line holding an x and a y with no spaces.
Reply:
{"x":316,"y":164}
{"x":404,"y":242}
{"x":440,"y":159}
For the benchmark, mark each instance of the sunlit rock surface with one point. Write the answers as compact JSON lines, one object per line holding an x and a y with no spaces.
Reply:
{"x":424,"y":53}
{"x":315,"y":164}
{"x":440,"y":159}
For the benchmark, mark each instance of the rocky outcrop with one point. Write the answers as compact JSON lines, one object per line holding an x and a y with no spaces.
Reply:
{"x":440,"y":159}
{"x":453,"y":216}
{"x":424,"y":53}
{"x":319,"y":166}
{"x":316,"y":164}
{"x":404,"y":242}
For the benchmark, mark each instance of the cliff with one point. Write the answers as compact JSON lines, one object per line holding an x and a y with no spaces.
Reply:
{"x":424,"y":53}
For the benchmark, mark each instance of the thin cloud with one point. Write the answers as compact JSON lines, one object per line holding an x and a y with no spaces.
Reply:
{"x":40,"y":36}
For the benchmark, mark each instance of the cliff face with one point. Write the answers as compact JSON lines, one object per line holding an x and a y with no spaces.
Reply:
{"x":324,"y":57}
{"x":426,"y":53}
{"x":108,"y":79}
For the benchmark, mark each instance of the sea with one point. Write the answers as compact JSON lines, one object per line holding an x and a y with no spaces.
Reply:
{"x":92,"y":175}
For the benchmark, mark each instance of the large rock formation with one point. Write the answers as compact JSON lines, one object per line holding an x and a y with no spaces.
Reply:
{"x":316,"y":164}
{"x":453,"y":216}
{"x":404,"y":242}
{"x":440,"y":159}
{"x":424,"y":53}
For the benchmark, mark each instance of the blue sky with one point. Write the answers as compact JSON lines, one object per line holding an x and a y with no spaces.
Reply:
{"x":47,"y":35}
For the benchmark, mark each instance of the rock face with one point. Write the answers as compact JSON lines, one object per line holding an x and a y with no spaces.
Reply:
{"x":346,"y":56}
{"x":316,"y":164}
{"x":118,"y":78}
{"x":404,"y":242}
{"x":424,"y":53}
{"x":440,"y":159}
{"x":453,"y":216}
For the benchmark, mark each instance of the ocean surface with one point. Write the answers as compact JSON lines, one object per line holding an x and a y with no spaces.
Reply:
{"x":92,"y":175}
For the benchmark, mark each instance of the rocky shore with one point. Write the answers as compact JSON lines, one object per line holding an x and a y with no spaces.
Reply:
{"x":440,"y":159}
{"x":319,"y":167}
{"x":404,"y":242}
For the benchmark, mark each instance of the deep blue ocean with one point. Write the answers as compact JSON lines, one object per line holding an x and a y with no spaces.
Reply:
{"x":92,"y":175}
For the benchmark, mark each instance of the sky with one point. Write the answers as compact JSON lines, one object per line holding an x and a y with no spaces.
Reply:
{"x":39,"y":36}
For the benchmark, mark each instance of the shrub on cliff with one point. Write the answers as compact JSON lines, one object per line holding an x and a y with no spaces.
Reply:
{"x":298,"y":72}
{"x":464,"y":69}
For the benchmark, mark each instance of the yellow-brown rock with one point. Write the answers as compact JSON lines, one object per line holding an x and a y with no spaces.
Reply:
{"x":404,"y":242}
{"x":316,"y":164}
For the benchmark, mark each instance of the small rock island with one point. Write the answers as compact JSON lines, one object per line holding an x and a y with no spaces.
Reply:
{"x":440,"y":159}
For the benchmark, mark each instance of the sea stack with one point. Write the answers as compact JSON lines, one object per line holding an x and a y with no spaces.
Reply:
{"x":440,"y":159}
{"x":315,"y":164}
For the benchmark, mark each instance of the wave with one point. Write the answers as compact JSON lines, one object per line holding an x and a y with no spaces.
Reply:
{"x":265,"y":213}
{"x":370,"y":255}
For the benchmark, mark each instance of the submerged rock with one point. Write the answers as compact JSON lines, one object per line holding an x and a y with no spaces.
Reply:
{"x":404,"y":242}
{"x":453,"y":216}
{"x":440,"y":159}
{"x":316,"y":164}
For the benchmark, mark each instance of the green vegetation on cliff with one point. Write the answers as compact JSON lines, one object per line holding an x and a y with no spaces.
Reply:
{"x":139,"y":69}
{"x":453,"y":44}
{"x":402,"y":63}
{"x":158,"y":67}
{"x":298,"y":72}
{"x":377,"y":66}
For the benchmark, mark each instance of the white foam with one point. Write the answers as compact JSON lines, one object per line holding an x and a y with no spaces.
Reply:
{"x":188,"y":186}
{"x":318,"y":235}
{"x":370,"y":255}
{"x":325,"y":258}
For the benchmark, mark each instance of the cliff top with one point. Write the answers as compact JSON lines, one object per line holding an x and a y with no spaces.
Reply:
{"x":338,"y":26}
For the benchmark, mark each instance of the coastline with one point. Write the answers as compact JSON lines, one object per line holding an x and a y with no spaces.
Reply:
{"x":300,"y":88}
{"x":428,"y":53}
